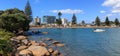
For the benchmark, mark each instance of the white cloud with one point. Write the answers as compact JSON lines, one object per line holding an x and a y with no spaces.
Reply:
{"x":68,"y":11}
{"x":110,"y":2}
{"x":102,"y":11}
{"x":115,"y":11}
{"x":114,"y":4}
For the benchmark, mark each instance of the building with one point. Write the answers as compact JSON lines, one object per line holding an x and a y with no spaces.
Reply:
{"x":49,"y":19}
{"x":64,"y":22}
{"x":37,"y":21}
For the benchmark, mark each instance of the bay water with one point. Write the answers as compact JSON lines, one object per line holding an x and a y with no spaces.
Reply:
{"x":83,"y":41}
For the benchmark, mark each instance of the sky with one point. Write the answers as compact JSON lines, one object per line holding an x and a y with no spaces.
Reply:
{"x":86,"y":10}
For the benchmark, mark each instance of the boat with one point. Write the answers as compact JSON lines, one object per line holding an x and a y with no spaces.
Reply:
{"x":99,"y":30}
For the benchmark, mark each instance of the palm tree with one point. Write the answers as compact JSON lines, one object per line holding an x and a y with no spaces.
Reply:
{"x":59,"y":15}
{"x":59,"y":22}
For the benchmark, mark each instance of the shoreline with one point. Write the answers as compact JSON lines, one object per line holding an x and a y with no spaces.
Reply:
{"x":76,"y":27}
{"x":22,"y":45}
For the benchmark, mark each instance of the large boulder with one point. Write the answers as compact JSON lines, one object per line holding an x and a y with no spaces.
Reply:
{"x":25,"y":53}
{"x":21,"y":37}
{"x":38,"y":50}
{"x":21,"y":47}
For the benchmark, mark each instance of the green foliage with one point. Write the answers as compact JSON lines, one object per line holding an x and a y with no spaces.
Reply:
{"x":14,"y":20}
{"x":97,"y":21}
{"x":74,"y":20}
{"x":58,"y":21}
{"x":5,"y":47}
{"x":1,"y":12}
{"x":116,"y":22}
{"x":28,"y":11}
{"x":107,"y":22}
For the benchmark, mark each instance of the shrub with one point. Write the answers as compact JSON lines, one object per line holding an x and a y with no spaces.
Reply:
{"x":5,"y":46}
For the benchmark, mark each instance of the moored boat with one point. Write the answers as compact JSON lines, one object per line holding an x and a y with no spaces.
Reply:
{"x":99,"y":30}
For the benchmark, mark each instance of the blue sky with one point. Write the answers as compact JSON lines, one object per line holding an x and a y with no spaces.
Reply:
{"x":84,"y":9}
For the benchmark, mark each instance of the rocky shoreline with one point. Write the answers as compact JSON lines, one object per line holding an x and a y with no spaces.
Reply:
{"x":22,"y":46}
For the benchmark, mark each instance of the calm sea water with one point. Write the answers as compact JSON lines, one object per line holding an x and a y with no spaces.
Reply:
{"x":85,"y":42}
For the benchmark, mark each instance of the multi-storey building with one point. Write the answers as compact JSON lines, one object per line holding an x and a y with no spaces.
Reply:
{"x":49,"y":19}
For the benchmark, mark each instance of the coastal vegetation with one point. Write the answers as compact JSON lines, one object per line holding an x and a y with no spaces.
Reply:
{"x":14,"y":20}
{"x":11,"y":21}
{"x":5,"y":45}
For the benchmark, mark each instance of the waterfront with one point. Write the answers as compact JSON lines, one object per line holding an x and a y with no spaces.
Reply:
{"x":83,"y":41}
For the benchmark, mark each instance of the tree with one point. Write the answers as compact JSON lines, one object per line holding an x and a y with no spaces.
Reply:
{"x":97,"y":21}
{"x":58,"y":21}
{"x":1,"y":12}
{"x":74,"y":20}
{"x":83,"y":22}
{"x":14,"y":20}
{"x":107,"y":22}
{"x":116,"y":22}
{"x":28,"y":11}
{"x":59,"y":15}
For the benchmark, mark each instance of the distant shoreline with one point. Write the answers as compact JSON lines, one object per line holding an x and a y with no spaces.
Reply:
{"x":78,"y":27}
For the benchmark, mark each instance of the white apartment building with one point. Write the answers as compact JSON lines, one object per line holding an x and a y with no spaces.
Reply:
{"x":64,"y":21}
